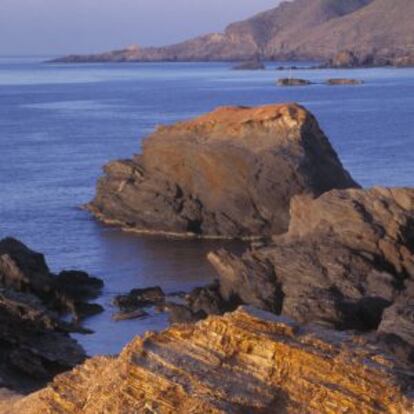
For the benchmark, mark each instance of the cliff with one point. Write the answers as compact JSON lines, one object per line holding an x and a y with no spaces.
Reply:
{"x":244,"y":362}
{"x":377,"y":32}
{"x":230,"y":173}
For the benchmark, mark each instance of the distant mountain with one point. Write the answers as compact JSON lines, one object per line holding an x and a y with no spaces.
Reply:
{"x":368,"y":31}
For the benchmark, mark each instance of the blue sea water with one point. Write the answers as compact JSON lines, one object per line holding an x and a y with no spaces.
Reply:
{"x":59,"y":124}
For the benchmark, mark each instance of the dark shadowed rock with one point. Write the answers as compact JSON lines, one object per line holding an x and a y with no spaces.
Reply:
{"x":200,"y":303}
{"x":138,"y":298}
{"x":179,"y":313}
{"x":348,"y":256}
{"x":293,"y":82}
{"x":34,"y":344}
{"x":230,"y":173}
{"x":209,"y":300}
{"x":24,"y":270}
{"x":79,"y":284}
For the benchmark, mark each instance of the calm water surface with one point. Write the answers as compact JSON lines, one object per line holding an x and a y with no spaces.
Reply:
{"x":60,"y":124}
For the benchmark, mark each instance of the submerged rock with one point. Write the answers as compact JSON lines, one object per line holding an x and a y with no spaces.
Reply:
{"x":138,"y":298}
{"x":128,"y":315}
{"x":339,"y":81}
{"x":293,"y":82}
{"x":347,"y":257}
{"x":250,"y":65}
{"x":230,"y":173}
{"x":244,"y":362}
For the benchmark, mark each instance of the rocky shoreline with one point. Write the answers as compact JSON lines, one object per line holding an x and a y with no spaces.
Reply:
{"x":320,"y":307}
{"x":246,"y":361}
{"x":35,"y":340}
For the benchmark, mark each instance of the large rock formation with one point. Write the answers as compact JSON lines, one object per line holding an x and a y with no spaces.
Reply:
{"x":230,"y":173}
{"x":244,"y":362}
{"x":348,"y":255}
{"x":375,"y":32}
{"x":34,"y":341}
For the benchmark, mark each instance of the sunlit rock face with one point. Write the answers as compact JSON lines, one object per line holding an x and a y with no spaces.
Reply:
{"x":230,"y":173}
{"x":248,"y":361}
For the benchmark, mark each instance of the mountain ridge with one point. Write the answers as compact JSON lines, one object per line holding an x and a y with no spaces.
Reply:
{"x":374,"y":32}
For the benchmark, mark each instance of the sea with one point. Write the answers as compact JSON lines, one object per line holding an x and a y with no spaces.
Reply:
{"x":60,"y":123}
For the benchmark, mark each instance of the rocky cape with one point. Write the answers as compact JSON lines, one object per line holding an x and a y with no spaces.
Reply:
{"x":35,"y":344}
{"x":230,"y":173}
{"x":244,"y":362}
{"x":361,"y":32}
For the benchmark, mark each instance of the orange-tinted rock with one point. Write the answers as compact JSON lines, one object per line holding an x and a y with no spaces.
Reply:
{"x":244,"y":362}
{"x":230,"y":173}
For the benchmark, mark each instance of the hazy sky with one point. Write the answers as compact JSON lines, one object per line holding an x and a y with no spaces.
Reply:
{"x":66,"y":26}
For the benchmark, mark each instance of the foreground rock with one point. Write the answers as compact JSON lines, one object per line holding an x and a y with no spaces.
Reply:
{"x":348,"y":255}
{"x":34,"y":342}
{"x":333,"y":82}
{"x":293,"y":82}
{"x":245,"y":362}
{"x":230,"y":173}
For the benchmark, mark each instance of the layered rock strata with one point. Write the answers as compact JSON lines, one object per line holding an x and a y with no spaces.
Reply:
{"x":244,"y":362}
{"x":230,"y":173}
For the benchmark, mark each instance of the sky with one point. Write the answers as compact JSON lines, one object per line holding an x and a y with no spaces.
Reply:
{"x":52,"y":27}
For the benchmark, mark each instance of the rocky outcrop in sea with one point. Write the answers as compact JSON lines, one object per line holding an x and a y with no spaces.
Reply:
{"x":230,"y":173}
